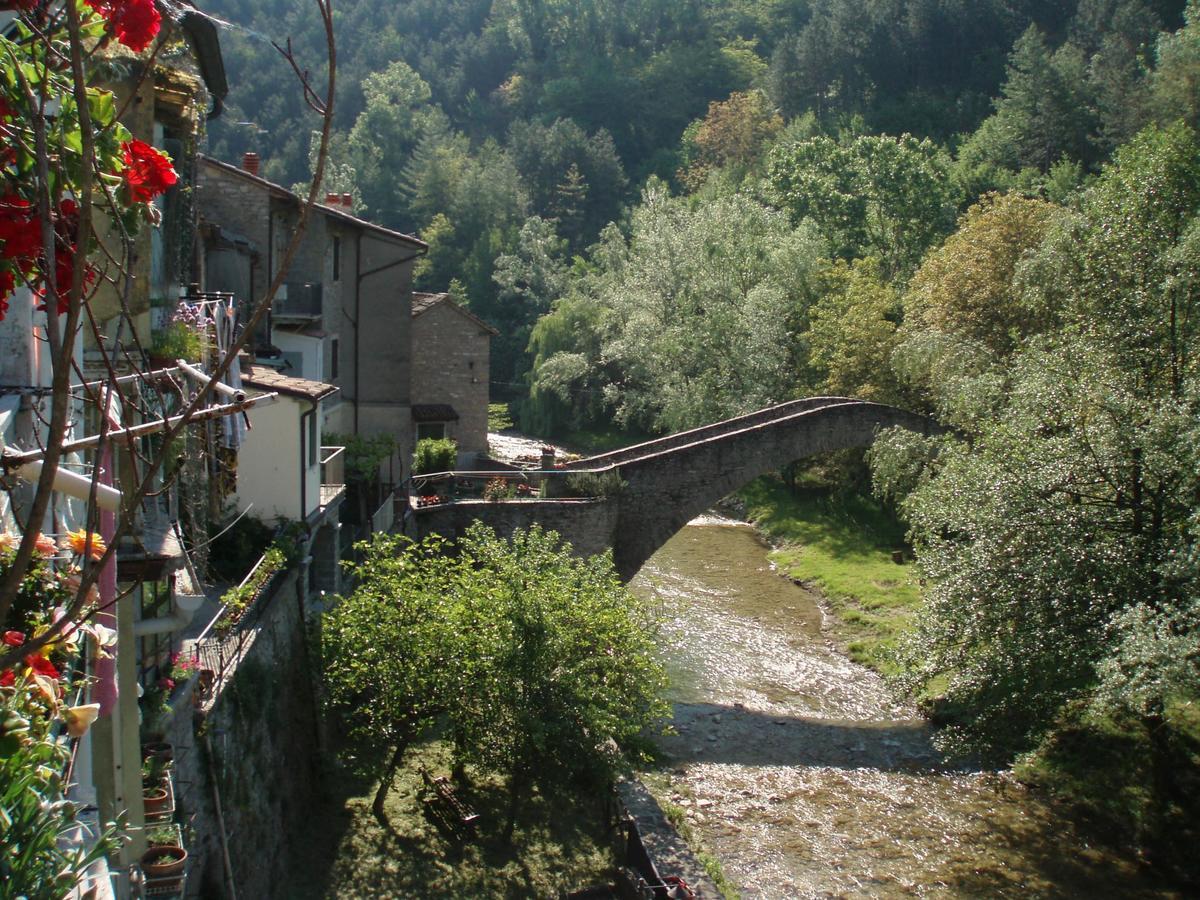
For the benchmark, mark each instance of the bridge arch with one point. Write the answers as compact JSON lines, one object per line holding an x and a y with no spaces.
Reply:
{"x":670,"y":482}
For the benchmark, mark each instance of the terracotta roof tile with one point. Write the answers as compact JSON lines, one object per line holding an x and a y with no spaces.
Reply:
{"x":269,"y":379}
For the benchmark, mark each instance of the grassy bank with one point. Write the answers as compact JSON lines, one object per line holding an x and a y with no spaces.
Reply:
{"x":842,"y":544}
{"x":560,"y":843}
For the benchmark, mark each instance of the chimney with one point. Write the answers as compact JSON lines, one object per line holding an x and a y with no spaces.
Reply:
{"x":250,"y":162}
{"x":332,"y":198}
{"x":347,"y":202}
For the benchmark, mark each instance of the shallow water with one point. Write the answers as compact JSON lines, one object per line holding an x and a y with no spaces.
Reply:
{"x":803,"y":774}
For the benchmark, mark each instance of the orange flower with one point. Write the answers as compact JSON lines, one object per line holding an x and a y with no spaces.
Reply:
{"x":8,"y":542}
{"x":77,"y":542}
{"x":45,"y":545}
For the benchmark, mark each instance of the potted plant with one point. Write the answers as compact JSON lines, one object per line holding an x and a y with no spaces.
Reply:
{"x":163,"y":862}
{"x":163,"y":836}
{"x":156,"y":799}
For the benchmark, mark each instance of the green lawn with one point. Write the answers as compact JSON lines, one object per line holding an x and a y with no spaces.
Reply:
{"x":842,"y":544}
{"x":559,"y":845}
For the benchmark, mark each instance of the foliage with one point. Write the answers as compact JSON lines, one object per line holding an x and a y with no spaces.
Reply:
{"x":36,"y":862}
{"x":703,"y":305}
{"x":592,"y":484}
{"x":1050,"y":540}
{"x":730,"y":137}
{"x":884,"y":196}
{"x":434,"y":455}
{"x":536,"y":657}
{"x":239,"y":547}
{"x":364,"y":454}
{"x":852,"y":333}
{"x":177,"y":340}
{"x":498,"y":489}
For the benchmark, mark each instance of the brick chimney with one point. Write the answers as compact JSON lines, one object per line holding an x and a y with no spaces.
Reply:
{"x":333,"y":198}
{"x":250,"y":162}
{"x":347,"y":202}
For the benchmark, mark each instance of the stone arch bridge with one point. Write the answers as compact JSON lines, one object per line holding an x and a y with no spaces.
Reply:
{"x":671,"y":480}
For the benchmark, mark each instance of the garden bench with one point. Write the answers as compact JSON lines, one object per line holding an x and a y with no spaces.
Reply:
{"x":445,"y":803}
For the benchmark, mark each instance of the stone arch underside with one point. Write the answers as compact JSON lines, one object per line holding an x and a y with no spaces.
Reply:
{"x":666,"y":490}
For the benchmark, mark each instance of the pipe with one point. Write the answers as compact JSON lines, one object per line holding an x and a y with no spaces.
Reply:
{"x":74,"y":485}
{"x":11,"y":460}
{"x":235,"y":394}
{"x":212,"y":776}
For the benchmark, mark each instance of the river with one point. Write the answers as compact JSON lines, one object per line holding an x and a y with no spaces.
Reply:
{"x":806,"y":778}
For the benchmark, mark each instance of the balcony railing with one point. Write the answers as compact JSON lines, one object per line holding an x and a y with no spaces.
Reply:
{"x":301,"y":300}
{"x":333,"y":465}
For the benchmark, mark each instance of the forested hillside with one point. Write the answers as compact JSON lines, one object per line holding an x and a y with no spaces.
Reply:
{"x":988,"y":210}
{"x":463,"y":121}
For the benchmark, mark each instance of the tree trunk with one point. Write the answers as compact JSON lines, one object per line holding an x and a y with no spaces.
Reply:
{"x":385,"y":783}
{"x":516,"y":786}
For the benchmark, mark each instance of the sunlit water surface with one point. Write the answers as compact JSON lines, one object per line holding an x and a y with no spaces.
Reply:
{"x":803,"y":774}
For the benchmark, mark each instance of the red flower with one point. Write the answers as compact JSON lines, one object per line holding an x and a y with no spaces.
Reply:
{"x":147,"y":171}
{"x":19,"y":230}
{"x":14,"y":638}
{"x":133,"y":22}
{"x":7,"y":678}
{"x":42,"y":666}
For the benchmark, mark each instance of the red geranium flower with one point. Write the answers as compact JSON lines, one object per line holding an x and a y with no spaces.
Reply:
{"x":19,"y":230}
{"x":147,"y":171}
{"x":133,"y":22}
{"x":14,"y":638}
{"x":42,"y":666}
{"x":7,"y":678}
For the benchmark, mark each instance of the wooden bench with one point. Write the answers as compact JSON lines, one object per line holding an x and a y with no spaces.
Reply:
{"x":443,"y":802}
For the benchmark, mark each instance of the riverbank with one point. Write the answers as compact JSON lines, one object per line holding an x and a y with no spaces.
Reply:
{"x":844,"y":546}
{"x":806,"y":777}
{"x":1128,"y":785}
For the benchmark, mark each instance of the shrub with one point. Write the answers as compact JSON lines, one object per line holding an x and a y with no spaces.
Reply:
{"x":434,"y":455}
{"x":592,"y":484}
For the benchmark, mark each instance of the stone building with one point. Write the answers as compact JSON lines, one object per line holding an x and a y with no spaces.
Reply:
{"x":342,"y":316}
{"x":450,"y":348}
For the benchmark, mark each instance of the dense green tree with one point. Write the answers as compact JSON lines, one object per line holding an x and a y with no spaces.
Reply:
{"x":1176,"y":80}
{"x":853,"y":332}
{"x":1067,"y":514}
{"x":707,"y":301}
{"x":1044,"y":112}
{"x":396,"y":114}
{"x":884,"y":196}
{"x":571,"y":177}
{"x":541,"y":663}
{"x":572,"y":679}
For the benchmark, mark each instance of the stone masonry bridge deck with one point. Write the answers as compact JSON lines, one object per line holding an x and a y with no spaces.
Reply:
{"x":671,"y":480}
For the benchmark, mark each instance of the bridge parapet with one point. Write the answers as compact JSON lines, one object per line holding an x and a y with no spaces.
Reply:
{"x":704,"y":432}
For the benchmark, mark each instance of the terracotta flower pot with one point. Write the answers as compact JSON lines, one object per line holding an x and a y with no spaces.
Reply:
{"x":155,"y":863}
{"x":155,"y":800}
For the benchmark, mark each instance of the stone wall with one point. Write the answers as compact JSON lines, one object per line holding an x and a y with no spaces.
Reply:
{"x":586,"y":524}
{"x":252,"y":748}
{"x":451,"y":365}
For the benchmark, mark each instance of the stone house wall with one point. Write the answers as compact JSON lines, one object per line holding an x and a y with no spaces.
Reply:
{"x":450,"y":358}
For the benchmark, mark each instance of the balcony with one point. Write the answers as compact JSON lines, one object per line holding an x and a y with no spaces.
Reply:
{"x":333,"y":474}
{"x":298,"y":302}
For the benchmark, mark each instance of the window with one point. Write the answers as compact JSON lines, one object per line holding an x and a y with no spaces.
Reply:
{"x":434,"y":430}
{"x":337,"y":258}
{"x":333,"y":359}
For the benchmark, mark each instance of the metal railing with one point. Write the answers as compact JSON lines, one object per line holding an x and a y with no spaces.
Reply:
{"x":226,"y":636}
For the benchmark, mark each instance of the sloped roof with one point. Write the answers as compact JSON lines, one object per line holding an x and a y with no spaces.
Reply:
{"x":422,"y":303}
{"x":434,"y":412}
{"x":331,"y":211}
{"x":269,"y":379}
